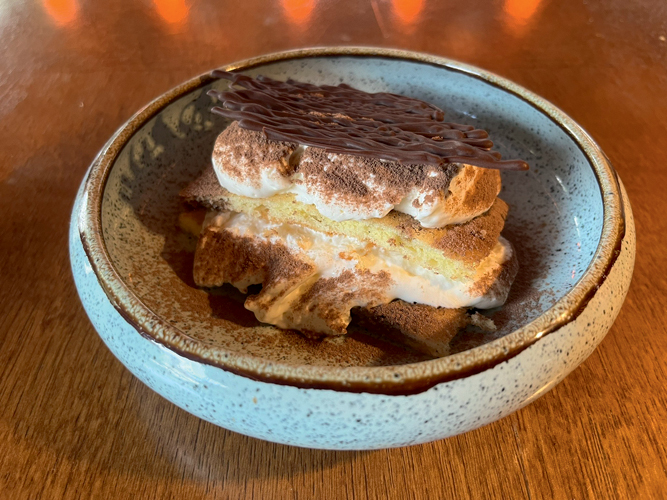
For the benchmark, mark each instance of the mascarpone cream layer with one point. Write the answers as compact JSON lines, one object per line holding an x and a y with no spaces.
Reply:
{"x":346,"y":187}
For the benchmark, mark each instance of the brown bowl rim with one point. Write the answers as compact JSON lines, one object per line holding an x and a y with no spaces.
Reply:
{"x":391,"y":380}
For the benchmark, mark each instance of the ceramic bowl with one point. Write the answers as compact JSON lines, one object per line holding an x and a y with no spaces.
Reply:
{"x":570,"y":221}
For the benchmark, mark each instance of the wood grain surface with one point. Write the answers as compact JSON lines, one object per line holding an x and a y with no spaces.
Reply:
{"x":74,"y":423}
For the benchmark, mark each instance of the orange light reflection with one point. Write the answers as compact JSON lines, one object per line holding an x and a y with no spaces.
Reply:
{"x":519,"y":12}
{"x":407,"y":11}
{"x":172,"y":11}
{"x":61,"y":11}
{"x":298,"y":11}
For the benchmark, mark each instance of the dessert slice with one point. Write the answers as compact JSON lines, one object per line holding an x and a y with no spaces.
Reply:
{"x":333,"y":199}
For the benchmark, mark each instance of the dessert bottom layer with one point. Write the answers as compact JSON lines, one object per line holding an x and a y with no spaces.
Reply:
{"x":311,"y":280}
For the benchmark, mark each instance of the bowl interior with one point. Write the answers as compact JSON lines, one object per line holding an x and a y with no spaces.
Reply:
{"x":555,"y":219}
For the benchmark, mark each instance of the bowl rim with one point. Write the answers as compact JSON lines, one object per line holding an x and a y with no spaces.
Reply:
{"x":390,"y":380}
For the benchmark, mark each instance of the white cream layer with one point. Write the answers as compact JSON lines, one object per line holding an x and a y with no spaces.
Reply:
{"x":330,"y":256}
{"x":426,"y":206}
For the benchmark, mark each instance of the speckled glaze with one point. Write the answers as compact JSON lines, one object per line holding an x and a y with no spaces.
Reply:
{"x":570,"y":220}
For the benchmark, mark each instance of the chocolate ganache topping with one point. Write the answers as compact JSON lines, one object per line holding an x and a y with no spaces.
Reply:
{"x":342,"y":119}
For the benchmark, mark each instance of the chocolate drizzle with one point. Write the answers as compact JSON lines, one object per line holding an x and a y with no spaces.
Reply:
{"x":341,"y":119}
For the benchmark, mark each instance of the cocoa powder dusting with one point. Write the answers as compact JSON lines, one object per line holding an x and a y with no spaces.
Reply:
{"x":222,"y":257}
{"x":424,"y":328}
{"x":474,"y":239}
{"x":496,"y":283}
{"x":332,"y":298}
{"x":245,"y":153}
{"x":346,"y":179}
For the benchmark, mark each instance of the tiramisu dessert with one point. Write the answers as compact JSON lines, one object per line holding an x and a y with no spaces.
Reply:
{"x":344,"y":203}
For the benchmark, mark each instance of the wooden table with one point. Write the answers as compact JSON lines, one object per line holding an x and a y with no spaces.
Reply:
{"x":75,"y":423}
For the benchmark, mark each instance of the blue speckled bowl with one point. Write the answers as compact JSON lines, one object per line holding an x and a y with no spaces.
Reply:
{"x":570,"y":220}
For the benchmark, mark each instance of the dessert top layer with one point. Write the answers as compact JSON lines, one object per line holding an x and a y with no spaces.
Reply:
{"x":344,"y":120}
{"x":348,"y":187}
